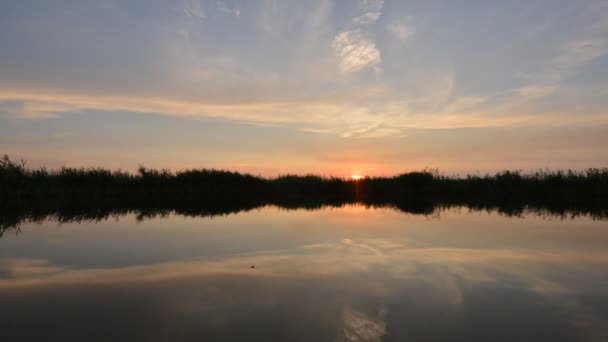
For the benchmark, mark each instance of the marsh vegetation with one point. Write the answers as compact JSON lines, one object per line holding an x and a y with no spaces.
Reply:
{"x":96,"y":192}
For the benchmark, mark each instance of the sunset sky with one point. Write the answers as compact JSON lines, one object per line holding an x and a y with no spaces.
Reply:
{"x":365,"y":87}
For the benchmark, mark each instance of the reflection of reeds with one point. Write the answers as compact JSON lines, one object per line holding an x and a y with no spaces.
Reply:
{"x":91,"y":193}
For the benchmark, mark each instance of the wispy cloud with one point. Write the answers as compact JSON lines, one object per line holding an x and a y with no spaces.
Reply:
{"x":589,"y":43}
{"x":534,"y":91}
{"x":370,"y":10}
{"x":354,"y":115}
{"x":355,"y":51}
{"x":401,"y":28}
{"x":34,"y":110}
{"x":355,"y":48}
{"x":303,"y":65}
{"x":367,"y":18}
{"x":370,"y":5}
{"x":193,"y":9}
{"x":575,"y":54}
{"x":229,"y":9}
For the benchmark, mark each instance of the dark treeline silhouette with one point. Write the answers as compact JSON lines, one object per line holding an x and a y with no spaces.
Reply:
{"x":95,"y":193}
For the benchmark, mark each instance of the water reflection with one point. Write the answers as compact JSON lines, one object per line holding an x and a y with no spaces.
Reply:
{"x":342,"y":274}
{"x":12,"y":217}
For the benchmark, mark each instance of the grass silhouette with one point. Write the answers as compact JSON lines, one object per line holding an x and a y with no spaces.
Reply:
{"x":93,"y":192}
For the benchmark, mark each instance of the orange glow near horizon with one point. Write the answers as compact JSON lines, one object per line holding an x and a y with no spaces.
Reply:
{"x":356,"y":177}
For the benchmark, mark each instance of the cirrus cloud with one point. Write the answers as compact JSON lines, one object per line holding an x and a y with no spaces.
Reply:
{"x":354,"y":47}
{"x":355,"y":51}
{"x":401,"y":29}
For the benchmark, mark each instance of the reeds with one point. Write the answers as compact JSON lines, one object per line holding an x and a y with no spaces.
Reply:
{"x":206,"y":191}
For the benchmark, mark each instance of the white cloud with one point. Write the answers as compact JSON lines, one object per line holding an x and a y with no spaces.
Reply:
{"x":569,"y":59}
{"x":34,"y":110}
{"x":588,"y":44}
{"x":229,"y":10}
{"x":355,"y":51}
{"x":371,"y":10}
{"x":193,"y":9}
{"x":536,"y":90}
{"x":367,"y":18}
{"x":371,"y":5}
{"x":400,"y":29}
{"x":354,"y":47}
{"x":574,"y":55}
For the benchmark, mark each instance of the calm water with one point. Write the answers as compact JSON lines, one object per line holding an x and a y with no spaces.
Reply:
{"x":346,"y":274}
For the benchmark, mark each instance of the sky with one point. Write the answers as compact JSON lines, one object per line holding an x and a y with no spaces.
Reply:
{"x":366,"y":87}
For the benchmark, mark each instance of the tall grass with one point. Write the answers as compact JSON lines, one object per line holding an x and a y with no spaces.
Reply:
{"x":210,"y":192}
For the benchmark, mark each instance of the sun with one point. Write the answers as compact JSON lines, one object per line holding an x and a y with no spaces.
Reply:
{"x":356,"y":177}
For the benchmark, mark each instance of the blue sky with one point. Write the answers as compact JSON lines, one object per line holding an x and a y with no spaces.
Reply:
{"x":331,"y":87}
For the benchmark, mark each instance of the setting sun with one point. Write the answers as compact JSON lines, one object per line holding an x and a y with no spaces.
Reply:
{"x":356,"y":177}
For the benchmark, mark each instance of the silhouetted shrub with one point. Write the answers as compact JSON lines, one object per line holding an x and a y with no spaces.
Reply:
{"x":25,"y":191}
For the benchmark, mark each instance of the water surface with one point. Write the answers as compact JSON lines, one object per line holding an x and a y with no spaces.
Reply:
{"x":334,"y":274}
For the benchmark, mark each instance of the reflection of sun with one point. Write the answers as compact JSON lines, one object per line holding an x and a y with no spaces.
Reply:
{"x":356,"y":177}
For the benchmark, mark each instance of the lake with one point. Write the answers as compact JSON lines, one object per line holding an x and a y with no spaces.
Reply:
{"x":333,"y":274}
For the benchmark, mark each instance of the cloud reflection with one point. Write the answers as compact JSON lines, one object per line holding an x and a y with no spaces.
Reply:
{"x":368,"y":279}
